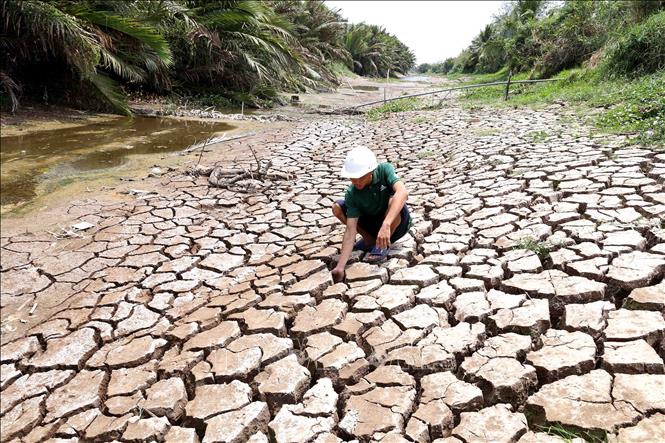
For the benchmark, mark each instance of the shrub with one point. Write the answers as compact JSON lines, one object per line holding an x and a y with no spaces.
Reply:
{"x":639,"y":51}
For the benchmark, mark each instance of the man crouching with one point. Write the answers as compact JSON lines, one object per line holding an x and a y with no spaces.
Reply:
{"x":374,"y":206}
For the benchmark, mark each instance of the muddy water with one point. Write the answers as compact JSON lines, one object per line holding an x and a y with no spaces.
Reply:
{"x":31,"y":161}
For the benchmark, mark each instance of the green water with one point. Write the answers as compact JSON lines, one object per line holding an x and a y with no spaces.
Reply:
{"x":65,"y":154}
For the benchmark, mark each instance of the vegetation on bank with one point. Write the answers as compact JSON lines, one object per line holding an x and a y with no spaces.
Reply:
{"x":634,"y":107}
{"x":91,"y":53}
{"x":542,"y":38}
{"x":609,"y":55}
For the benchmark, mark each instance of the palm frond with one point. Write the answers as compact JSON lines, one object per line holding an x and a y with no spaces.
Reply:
{"x":142,"y":33}
{"x":111,"y":91}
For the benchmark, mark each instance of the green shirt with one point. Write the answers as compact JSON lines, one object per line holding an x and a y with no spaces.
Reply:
{"x":373,"y":199}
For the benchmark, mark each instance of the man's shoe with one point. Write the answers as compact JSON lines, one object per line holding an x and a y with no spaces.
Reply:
{"x":377,"y":254}
{"x":360,"y":246}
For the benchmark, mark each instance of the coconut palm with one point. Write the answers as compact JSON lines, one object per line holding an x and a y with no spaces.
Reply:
{"x":98,"y":45}
{"x":318,"y":31}
{"x":375,"y":52}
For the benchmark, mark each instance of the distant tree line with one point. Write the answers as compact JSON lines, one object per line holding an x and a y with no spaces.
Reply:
{"x":543,"y":38}
{"x":91,"y":52}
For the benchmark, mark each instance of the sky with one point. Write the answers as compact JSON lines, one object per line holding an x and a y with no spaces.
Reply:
{"x":434,"y":30}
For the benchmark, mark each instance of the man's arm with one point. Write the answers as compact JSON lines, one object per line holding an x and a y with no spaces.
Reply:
{"x":394,"y":207}
{"x":347,"y":248}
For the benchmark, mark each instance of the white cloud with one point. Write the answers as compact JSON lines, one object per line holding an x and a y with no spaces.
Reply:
{"x":434,"y":30}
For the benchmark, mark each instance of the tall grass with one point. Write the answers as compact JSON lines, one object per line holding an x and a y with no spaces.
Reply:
{"x":635,"y":107}
{"x":381,"y":112}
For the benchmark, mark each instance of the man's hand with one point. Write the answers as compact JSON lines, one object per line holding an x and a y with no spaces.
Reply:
{"x":338,"y":274}
{"x":383,"y":237}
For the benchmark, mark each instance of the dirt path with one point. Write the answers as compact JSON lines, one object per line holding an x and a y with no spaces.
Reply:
{"x":194,"y":313}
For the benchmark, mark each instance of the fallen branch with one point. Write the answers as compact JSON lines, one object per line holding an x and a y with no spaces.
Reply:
{"x":215,"y":140}
{"x":255,"y":179}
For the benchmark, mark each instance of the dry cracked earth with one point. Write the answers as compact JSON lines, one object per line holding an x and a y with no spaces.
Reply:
{"x":528,"y":293}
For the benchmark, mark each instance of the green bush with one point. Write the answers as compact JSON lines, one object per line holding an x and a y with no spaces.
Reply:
{"x":639,"y":51}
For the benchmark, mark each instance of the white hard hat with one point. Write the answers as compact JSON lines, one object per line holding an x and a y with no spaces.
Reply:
{"x":359,"y":161}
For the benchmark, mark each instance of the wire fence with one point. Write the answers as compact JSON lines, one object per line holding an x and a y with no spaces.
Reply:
{"x":507,"y":83}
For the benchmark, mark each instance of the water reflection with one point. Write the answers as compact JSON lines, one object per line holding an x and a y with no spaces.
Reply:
{"x":28,"y":159}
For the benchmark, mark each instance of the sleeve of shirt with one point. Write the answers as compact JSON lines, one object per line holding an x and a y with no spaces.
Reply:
{"x":391,"y":177}
{"x":352,"y":210}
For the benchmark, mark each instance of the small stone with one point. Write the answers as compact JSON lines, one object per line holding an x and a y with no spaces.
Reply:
{"x":651,"y":298}
{"x":106,"y":428}
{"x":284,"y":381}
{"x":69,"y":352}
{"x":166,"y":398}
{"x":563,"y":354}
{"x":420,"y":275}
{"x":644,"y":392}
{"x":457,"y":394}
{"x":325,"y":315}
{"x":82,"y":392}
{"x":496,"y":424}
{"x":152,"y":428}
{"x":555,"y":283}
{"x":21,"y":418}
{"x":272,"y":347}
{"x":181,"y":435}
{"x":237,"y":426}
{"x":624,"y":325}
{"x":217,"y":337}
{"x":440,"y":294}
{"x":471,"y":307}
{"x":388,"y":298}
{"x":583,"y":401}
{"x":532,"y":318}
{"x":210,"y":400}
{"x":631,"y":357}
{"x":128,"y":380}
{"x":636,"y":269}
{"x":649,"y":429}
{"x":362,"y":271}
{"x":590,"y":318}
{"x":420,"y":317}
{"x":313,"y":285}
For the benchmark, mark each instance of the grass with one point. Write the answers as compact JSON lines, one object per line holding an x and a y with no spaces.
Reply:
{"x":568,"y":434}
{"x":634,"y":107}
{"x":541,"y":249}
{"x":484,"y":132}
{"x":425,"y":153}
{"x":381,"y":112}
{"x":536,"y":136}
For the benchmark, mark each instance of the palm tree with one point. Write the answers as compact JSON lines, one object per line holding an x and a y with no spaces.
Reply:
{"x":93,"y":42}
{"x":318,"y":31}
{"x":375,"y":52}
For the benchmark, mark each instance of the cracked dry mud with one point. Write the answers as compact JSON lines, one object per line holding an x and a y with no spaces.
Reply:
{"x":199,"y":314}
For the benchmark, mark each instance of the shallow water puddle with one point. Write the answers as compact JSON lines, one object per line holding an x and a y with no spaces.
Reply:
{"x":62,"y":154}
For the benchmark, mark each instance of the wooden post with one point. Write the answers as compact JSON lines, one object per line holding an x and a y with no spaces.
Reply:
{"x":384,"y":88}
{"x":242,"y":108}
{"x":510,"y":75}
